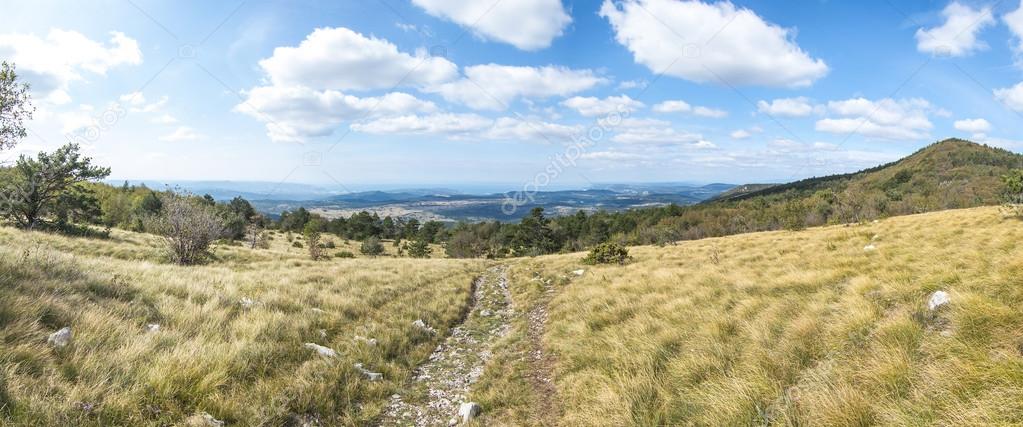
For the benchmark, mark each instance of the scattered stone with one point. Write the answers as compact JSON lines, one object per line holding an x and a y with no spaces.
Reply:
{"x":203,"y":419}
{"x":468,"y":411}
{"x":453,"y":421}
{"x":876,"y":236}
{"x":578,"y":272}
{"x":368,"y":341}
{"x":946,"y":333}
{"x":318,"y":311}
{"x":370,"y":375}
{"x":247,"y":302}
{"x":323,"y":351}
{"x":486,"y":313}
{"x":323,"y":333}
{"x":422,"y":325}
{"x":153,"y":327}
{"x":938,"y":299}
{"x":870,"y":248}
{"x":60,"y":338}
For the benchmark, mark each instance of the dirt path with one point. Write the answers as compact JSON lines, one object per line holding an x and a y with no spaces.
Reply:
{"x":440,"y":385}
{"x":541,"y":374}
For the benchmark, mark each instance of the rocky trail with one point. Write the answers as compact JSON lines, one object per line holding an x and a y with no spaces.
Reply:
{"x":541,"y":373}
{"x":439,"y":387}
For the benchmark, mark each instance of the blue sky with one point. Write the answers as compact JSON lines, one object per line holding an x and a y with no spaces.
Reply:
{"x":555,"y":94}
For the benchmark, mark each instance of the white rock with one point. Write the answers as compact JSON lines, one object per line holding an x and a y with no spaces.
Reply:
{"x":468,"y":411}
{"x":368,"y":341}
{"x":204,"y":419}
{"x":870,"y":248}
{"x":876,"y":236}
{"x":153,"y":327}
{"x":323,"y":351}
{"x":453,"y":421}
{"x":578,"y":272}
{"x":247,"y":302}
{"x":323,"y":333}
{"x":318,"y":311}
{"x":422,"y":325}
{"x":486,"y":313}
{"x":60,"y":338}
{"x":937,"y":300}
{"x":370,"y":375}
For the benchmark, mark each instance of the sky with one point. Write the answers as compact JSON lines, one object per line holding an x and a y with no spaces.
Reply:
{"x":542,"y":93}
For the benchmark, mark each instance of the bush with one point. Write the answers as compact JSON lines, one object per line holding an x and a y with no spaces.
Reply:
{"x":297,"y":244}
{"x":372,"y":247}
{"x":329,"y":245}
{"x":344,"y":254}
{"x":418,"y":249}
{"x":608,"y":253}
{"x":190,"y":228}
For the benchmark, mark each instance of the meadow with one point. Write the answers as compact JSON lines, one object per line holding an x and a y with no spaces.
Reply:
{"x":231,"y":334}
{"x":787,"y":328}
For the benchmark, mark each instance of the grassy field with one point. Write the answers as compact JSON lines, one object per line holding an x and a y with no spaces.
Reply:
{"x":214,"y":352}
{"x":789,"y":328}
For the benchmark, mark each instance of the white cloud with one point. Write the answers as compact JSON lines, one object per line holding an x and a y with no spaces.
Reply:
{"x":467,"y":126}
{"x":632,"y":84}
{"x":904,"y":119}
{"x":1012,"y":97}
{"x":611,"y":156}
{"x":656,"y":135}
{"x":958,"y":35}
{"x":63,"y":57}
{"x":495,"y":87}
{"x":676,"y":106}
{"x":434,"y":124}
{"x":296,"y":113}
{"x":591,"y":107}
{"x":975,"y":126}
{"x":711,"y":113}
{"x":1014,"y":20}
{"x":342,"y":59}
{"x":786,"y":107}
{"x":719,"y":42}
{"x":518,"y":129}
{"x":740,"y":134}
{"x":525,"y":24}
{"x":680,"y":106}
{"x":182,"y":133}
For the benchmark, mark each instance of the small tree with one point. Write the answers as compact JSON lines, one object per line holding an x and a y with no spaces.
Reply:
{"x":419,"y":248}
{"x":1013,"y":194}
{"x":607,"y":253}
{"x":15,"y":107}
{"x":49,"y":186}
{"x":372,"y":247}
{"x":190,"y":227}
{"x":312,"y":237}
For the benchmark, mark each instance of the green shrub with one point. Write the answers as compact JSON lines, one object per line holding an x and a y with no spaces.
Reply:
{"x":344,"y":254}
{"x":372,"y":247}
{"x":297,"y":244}
{"x":607,"y":253}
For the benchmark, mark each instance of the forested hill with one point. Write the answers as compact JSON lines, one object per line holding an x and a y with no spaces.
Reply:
{"x":952,"y":173}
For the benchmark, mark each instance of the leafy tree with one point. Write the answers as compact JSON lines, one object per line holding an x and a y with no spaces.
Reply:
{"x":15,"y":107}
{"x":49,"y":186}
{"x":1013,"y":194}
{"x":190,"y":227}
{"x":418,"y":249}
{"x":372,"y":247}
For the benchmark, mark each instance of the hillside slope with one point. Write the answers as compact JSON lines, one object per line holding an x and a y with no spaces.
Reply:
{"x":826,"y":326}
{"x":231,"y":336}
{"x":957,"y":172}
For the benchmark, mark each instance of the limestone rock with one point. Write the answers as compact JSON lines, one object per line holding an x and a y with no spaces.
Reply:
{"x":321,"y":350}
{"x":60,"y":338}
{"x":938,"y":299}
{"x":469,"y":411}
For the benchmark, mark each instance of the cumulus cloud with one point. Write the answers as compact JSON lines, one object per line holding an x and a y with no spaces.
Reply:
{"x":679,"y":106}
{"x":974,"y":126}
{"x":342,"y":59}
{"x":740,"y":134}
{"x":1012,"y":97}
{"x":495,"y":87}
{"x":656,"y":135}
{"x":434,"y":124}
{"x":786,"y":107}
{"x":1014,"y":20}
{"x":51,"y":64}
{"x":958,"y":35}
{"x":461,"y":126}
{"x":720,"y":42}
{"x":525,"y":24}
{"x":591,"y":107}
{"x":904,"y":119}
{"x":297,"y":113}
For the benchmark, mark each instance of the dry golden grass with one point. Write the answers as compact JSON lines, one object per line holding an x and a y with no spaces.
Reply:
{"x":246,"y":366}
{"x":790,"y":328}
